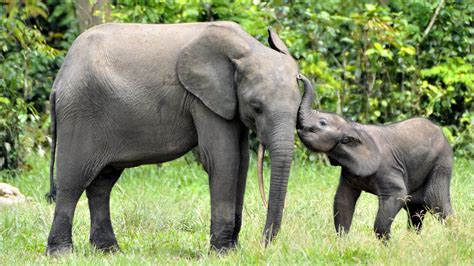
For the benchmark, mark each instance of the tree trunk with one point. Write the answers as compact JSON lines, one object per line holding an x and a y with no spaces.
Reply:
{"x":90,"y":15}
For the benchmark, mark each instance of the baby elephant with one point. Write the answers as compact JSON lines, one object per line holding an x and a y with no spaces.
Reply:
{"x":406,"y":164}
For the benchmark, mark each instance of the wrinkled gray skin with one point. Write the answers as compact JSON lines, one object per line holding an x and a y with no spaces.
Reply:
{"x":133,"y":94}
{"x":406,"y":164}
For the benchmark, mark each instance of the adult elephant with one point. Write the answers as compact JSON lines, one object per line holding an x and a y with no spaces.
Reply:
{"x":133,"y":94}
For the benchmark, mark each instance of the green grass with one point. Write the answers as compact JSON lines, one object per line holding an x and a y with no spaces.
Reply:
{"x":161,"y":216}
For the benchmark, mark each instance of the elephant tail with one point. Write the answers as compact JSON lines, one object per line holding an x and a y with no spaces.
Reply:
{"x":51,"y":195}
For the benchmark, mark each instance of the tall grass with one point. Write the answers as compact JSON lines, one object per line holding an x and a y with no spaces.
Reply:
{"x":161,"y":216}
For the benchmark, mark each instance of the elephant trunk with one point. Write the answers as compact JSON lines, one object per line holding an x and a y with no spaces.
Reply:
{"x":281,"y":153}
{"x":308,"y":96}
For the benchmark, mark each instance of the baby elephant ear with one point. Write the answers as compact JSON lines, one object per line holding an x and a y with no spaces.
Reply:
{"x":358,"y":153}
{"x":206,"y":67}
{"x":276,"y":43}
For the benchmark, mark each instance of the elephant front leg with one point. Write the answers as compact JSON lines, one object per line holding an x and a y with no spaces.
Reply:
{"x":344,"y":205}
{"x":416,"y":213}
{"x":223,"y":168}
{"x":219,"y":147}
{"x":389,"y":206}
{"x":241,"y":182}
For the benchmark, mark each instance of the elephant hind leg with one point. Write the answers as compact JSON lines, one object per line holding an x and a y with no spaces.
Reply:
{"x":437,"y":193}
{"x":72,"y":178}
{"x":416,"y":213}
{"x":102,"y":235}
{"x":60,"y":236}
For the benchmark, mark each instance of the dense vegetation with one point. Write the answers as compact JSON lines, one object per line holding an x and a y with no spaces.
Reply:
{"x":373,"y":61}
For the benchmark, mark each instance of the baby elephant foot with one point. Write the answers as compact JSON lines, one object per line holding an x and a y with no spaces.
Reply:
{"x":384,"y":237}
{"x":60,"y":250}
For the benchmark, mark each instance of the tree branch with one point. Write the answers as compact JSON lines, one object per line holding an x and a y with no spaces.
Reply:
{"x":432,"y":21}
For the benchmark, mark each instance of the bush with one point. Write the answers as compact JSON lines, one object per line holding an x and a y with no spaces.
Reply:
{"x":372,"y":61}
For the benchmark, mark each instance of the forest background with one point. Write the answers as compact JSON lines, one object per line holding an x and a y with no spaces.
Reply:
{"x":372,"y":61}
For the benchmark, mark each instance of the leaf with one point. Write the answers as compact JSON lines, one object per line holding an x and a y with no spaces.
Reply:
{"x":410,"y":50}
{"x":386,"y":53}
{"x":4,"y":100}
{"x":370,"y":52}
{"x":370,"y":7}
{"x":378,"y":46}
{"x":323,"y":15}
{"x":448,"y":134}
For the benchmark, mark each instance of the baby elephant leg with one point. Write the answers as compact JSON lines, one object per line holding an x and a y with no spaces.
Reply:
{"x":437,"y":194}
{"x":344,"y":205}
{"x":416,"y":213}
{"x":389,"y":206}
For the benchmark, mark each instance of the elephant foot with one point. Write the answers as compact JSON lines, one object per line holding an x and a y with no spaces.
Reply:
{"x":106,"y":247}
{"x":60,"y":250}
{"x":235,"y":243}
{"x":223,"y":238}
{"x":221,"y":248}
{"x":268,"y":236}
{"x":222,"y":251}
{"x":383,"y":238}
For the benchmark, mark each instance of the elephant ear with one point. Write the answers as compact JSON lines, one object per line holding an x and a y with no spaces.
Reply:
{"x":357,"y":153}
{"x":276,"y":43}
{"x":206,"y":67}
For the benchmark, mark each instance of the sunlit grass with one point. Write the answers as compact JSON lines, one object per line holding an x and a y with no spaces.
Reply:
{"x":161,"y":216}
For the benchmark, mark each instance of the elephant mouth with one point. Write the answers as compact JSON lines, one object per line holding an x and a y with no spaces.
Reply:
{"x":307,"y":138}
{"x":315,"y":142}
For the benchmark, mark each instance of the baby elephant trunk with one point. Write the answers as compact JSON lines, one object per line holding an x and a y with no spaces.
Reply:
{"x":308,"y":96}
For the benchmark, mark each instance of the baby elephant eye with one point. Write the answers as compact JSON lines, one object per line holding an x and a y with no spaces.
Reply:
{"x":346,"y":140}
{"x":323,"y":122}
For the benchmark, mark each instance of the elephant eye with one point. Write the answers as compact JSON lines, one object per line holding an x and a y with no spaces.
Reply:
{"x":323,"y":122}
{"x":346,"y":140}
{"x":257,"y":109}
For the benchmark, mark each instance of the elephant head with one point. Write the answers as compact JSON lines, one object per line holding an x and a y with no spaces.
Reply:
{"x":237,"y":77}
{"x":346,"y":143}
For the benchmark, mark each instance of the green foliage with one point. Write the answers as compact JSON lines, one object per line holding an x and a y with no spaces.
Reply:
{"x":254,"y":16}
{"x":32,"y":47}
{"x":24,"y":57}
{"x":372,"y":61}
